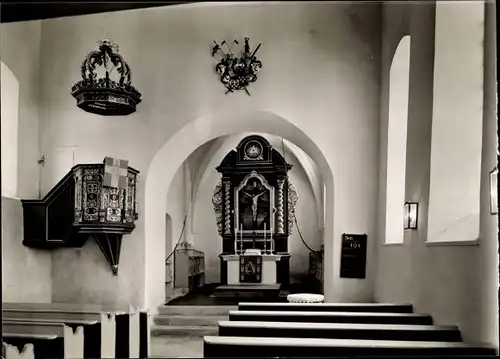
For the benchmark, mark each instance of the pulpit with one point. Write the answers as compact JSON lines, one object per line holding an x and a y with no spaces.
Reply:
{"x":254,"y":204}
{"x":92,"y":200}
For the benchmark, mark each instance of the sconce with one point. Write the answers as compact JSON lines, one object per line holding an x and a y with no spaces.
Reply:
{"x":494,"y":191}
{"x":410,"y":215}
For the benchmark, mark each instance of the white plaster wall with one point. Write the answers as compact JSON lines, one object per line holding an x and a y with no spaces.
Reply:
{"x":176,"y":208}
{"x":206,"y":236}
{"x":26,"y":273}
{"x":10,"y":121}
{"x":320,"y":72}
{"x":455,"y":173}
{"x":20,"y":51}
{"x":457,"y":284}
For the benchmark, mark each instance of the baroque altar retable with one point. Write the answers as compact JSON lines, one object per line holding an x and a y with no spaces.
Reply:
{"x":254,"y":204}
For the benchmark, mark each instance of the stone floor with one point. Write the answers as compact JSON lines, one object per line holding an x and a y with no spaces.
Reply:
{"x":176,"y":347}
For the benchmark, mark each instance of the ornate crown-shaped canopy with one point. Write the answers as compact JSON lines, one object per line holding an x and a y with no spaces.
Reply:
{"x":102,"y":95}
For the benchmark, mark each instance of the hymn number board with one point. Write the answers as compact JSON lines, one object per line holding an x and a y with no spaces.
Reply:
{"x":353,"y":256}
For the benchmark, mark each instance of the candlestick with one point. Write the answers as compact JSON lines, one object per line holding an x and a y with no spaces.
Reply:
{"x":272,"y":242}
{"x":241,"y":238}
{"x":265,"y":247}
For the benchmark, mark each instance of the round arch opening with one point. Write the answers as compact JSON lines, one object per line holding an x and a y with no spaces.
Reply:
{"x":175,"y":151}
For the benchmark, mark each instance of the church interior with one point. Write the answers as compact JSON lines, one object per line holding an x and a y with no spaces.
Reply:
{"x":324,"y":185}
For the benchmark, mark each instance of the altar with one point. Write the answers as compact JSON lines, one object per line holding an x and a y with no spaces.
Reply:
{"x":264,"y":272}
{"x":254,"y":204}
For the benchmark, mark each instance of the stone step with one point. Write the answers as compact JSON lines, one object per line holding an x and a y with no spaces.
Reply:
{"x":340,"y":331}
{"x":260,"y":347}
{"x":331,"y":317}
{"x":248,"y":291}
{"x":195,"y":309}
{"x":183,"y":331}
{"x":329,"y":307}
{"x":190,"y":320}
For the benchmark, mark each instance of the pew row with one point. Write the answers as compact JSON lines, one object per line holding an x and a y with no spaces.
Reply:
{"x":99,"y":339}
{"x":328,"y":307}
{"x":121,"y":333}
{"x":89,"y":329}
{"x":340,"y":331}
{"x":21,"y":346}
{"x":330,"y":317}
{"x":60,"y":340}
{"x":260,"y":347}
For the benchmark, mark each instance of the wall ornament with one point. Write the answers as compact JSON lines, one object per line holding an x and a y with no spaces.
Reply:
{"x":236,"y":73}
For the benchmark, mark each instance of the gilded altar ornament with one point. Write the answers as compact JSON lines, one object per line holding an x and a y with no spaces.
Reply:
{"x":236,"y":73}
{"x":103,"y":95}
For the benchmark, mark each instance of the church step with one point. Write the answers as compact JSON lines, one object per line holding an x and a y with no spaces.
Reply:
{"x":190,"y":320}
{"x":195,"y":309}
{"x":183,"y":331}
{"x":329,"y":307}
{"x":340,"y":331}
{"x":259,"y":347}
{"x":331,"y":317}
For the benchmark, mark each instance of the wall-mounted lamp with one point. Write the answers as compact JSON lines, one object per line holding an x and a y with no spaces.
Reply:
{"x":410,"y":215}
{"x":494,"y":191}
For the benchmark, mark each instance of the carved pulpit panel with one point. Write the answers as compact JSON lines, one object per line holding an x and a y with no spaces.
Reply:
{"x":92,"y":200}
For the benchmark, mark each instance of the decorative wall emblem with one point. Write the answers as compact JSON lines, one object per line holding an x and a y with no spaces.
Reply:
{"x":217,"y":201}
{"x":253,"y":151}
{"x":292,"y":203}
{"x":105,"y":96}
{"x":236,"y":73}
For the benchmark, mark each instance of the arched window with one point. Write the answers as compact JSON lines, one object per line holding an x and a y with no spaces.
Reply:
{"x":399,"y":85}
{"x":9,"y":113}
{"x":456,"y":122}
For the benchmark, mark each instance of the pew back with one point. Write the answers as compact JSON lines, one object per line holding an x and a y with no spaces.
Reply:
{"x":331,"y":317}
{"x":259,"y":347}
{"x":340,"y":331}
{"x":328,"y":307}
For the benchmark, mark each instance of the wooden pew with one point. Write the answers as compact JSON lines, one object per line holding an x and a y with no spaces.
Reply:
{"x":90,"y":330}
{"x":57,"y":340}
{"x":340,"y":331}
{"x":331,"y":317}
{"x":328,"y":307}
{"x":131,"y":326}
{"x":260,"y":347}
{"x":14,"y":345}
{"x":99,"y":339}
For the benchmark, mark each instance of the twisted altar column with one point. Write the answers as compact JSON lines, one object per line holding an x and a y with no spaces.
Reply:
{"x":280,"y":209}
{"x":227,"y":207}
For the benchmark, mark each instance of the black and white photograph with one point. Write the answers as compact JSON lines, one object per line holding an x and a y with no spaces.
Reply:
{"x":249,"y":179}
